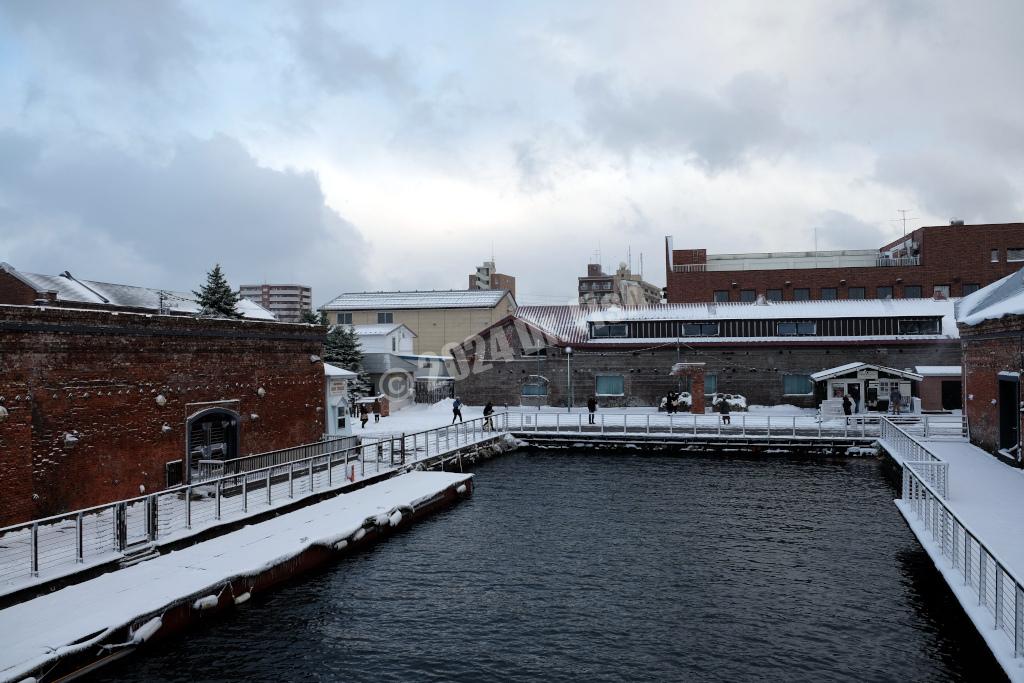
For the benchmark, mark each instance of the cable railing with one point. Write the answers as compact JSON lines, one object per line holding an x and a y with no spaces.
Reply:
{"x":998,"y":590}
{"x":213,"y":468}
{"x":63,"y":544}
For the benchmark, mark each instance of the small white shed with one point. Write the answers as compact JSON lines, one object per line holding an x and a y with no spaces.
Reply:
{"x":337,"y":400}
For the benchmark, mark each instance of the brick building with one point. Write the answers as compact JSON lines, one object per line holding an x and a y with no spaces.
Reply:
{"x":765,"y":352}
{"x":954,"y":259}
{"x":100,"y":405}
{"x":991,"y":324}
{"x":488,"y":277}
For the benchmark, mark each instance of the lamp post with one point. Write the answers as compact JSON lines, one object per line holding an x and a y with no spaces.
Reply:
{"x":568,"y":377}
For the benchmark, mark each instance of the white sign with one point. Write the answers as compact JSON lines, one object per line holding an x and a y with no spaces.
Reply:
{"x":337,"y":386}
{"x":867,"y":374}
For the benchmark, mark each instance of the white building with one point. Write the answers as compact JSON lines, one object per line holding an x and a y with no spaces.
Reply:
{"x":337,"y":400}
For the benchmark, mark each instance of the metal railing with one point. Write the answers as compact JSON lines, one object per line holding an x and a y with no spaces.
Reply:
{"x":209,"y":469}
{"x":689,"y":268}
{"x":997,"y":589}
{"x":901,"y":261}
{"x":61,"y":544}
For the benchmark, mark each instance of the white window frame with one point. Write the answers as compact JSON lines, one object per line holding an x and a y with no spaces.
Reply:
{"x":383,"y":318}
{"x":1014,"y":254}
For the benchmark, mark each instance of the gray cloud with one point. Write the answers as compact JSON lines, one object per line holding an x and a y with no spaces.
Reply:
{"x":744,"y":120}
{"x":840,"y":230}
{"x":110,"y":216}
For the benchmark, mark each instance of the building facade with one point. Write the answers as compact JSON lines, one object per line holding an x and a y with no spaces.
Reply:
{"x":622,"y":288}
{"x":991,"y":324}
{"x":288,"y":303}
{"x":487,"y":277}
{"x":954,"y":260}
{"x":438,"y":318}
{"x":555,"y":355}
{"x":101,"y":405}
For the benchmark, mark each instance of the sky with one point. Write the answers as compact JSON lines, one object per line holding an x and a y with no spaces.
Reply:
{"x":397,"y":145}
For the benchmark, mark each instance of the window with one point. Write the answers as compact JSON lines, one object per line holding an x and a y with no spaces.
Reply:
{"x":535,"y":388}
{"x":609,"y":385}
{"x":1014,"y":254}
{"x":941,"y":291}
{"x":796,"y":328}
{"x":606,"y":330}
{"x":606,"y":286}
{"x":912,"y":291}
{"x":883,"y":292}
{"x":855,"y":293}
{"x":584,"y":286}
{"x":773,"y":295}
{"x":394,"y":344}
{"x":700,"y":329}
{"x":385,"y":317}
{"x":995,"y":256}
{"x":970,"y":288}
{"x":748,"y":295}
{"x":341,"y":415}
{"x":797,"y":385}
{"x":801,"y":294}
{"x":344,"y":319}
{"x":710,"y":384}
{"x":829,"y":293}
{"x":928,"y":326}
{"x":721,"y":295}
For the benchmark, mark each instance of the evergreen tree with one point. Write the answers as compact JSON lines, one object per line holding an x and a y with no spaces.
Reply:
{"x":342,"y":348}
{"x":216,"y":295}
{"x":311,"y":317}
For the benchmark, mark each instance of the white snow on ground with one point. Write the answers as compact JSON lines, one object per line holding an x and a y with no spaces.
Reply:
{"x":784,"y":409}
{"x":32,"y":631}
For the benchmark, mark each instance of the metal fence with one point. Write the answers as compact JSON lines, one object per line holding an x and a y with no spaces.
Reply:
{"x":62,"y":544}
{"x":997,"y":589}
{"x":739,"y":425}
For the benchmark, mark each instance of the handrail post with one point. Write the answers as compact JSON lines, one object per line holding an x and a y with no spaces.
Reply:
{"x":121,"y":526}
{"x":188,"y":507}
{"x":768,"y":428}
{"x":291,"y":480}
{"x":269,"y":499}
{"x":695,"y":424}
{"x":1018,"y":620}
{"x":311,"y":475}
{"x":648,"y":423}
{"x":743,"y":420}
{"x":999,"y":598}
{"x":602,"y":423}
{"x":34,"y":550}
{"x":79,"y":538}
{"x":245,"y":493}
{"x":220,"y":483}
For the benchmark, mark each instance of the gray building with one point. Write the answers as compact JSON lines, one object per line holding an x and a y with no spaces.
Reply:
{"x":286,"y":302}
{"x":765,"y":352}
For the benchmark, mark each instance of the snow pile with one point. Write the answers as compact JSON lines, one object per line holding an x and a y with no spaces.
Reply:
{"x":735,"y":401}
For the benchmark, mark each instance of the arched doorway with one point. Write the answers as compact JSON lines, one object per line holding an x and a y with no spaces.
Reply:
{"x":212,"y":438}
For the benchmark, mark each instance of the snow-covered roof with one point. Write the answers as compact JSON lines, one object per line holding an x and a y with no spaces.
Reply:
{"x":1002,"y":297}
{"x":847,"y":368}
{"x":455,"y":298}
{"x":335,"y":371}
{"x":938,"y":370}
{"x":380,"y":330}
{"x":71,"y":289}
{"x":570,"y":323}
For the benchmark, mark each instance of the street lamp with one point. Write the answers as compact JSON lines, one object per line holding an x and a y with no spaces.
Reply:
{"x":568,"y":376}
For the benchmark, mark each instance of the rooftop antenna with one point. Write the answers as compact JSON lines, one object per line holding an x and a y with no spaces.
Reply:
{"x":904,"y":218}
{"x":641,"y":265}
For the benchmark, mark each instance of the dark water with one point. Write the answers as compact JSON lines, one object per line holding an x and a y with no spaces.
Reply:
{"x":604,"y":567}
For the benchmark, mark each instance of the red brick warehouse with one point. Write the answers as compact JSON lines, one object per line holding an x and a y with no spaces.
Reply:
{"x":954,"y":259}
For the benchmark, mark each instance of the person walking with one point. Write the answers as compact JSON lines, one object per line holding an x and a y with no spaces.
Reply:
{"x":364,"y":414}
{"x":847,"y":405}
{"x":488,"y":417}
{"x":457,"y":410}
{"x":725,"y":408}
{"x":592,"y":407}
{"x":376,"y":410}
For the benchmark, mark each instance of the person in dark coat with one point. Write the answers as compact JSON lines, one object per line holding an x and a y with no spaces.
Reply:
{"x":725,"y":408}
{"x":895,"y":398}
{"x":592,"y":407}
{"x":457,"y":410}
{"x":488,"y":413}
{"x":847,"y":405}
{"x":364,"y":414}
{"x":376,"y":410}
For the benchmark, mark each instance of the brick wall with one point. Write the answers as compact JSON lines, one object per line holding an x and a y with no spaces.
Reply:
{"x":14,"y":291}
{"x":496,"y":371}
{"x":992,"y":347}
{"x":96,"y":375}
{"x":950,"y":255}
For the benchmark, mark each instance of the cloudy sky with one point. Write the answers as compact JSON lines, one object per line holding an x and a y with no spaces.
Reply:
{"x":393,"y":145}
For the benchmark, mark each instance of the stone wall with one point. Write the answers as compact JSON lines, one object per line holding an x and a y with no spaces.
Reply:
{"x":96,"y":375}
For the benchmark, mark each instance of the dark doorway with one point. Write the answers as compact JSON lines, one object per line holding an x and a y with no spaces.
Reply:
{"x":212,"y":435}
{"x":853,"y":389}
{"x":1009,"y":415}
{"x":952,"y":394}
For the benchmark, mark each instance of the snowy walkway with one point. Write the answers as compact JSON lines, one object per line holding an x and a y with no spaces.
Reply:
{"x":34,"y":632}
{"x":973,"y":533}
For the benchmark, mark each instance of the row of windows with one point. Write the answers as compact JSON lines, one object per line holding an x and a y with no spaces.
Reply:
{"x":597,"y":286}
{"x":830,"y":293}
{"x":826,"y":327}
{"x":383,"y":318}
{"x":615,"y":385}
{"x":1012,"y":254}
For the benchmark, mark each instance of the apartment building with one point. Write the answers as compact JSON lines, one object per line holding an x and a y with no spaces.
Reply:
{"x":488,"y":277}
{"x":286,"y":302}
{"x":623,"y":288}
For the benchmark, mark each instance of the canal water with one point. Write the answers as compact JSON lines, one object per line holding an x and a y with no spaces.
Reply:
{"x":613,"y":567}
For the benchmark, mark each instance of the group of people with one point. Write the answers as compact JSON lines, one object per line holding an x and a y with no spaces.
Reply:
{"x":895,"y":402}
{"x":364,"y":410}
{"x":488,"y":413}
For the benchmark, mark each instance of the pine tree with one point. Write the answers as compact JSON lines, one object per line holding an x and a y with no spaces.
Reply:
{"x":342,"y":348}
{"x":216,"y":295}
{"x":311,"y":317}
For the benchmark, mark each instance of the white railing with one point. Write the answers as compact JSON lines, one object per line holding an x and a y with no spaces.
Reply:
{"x":901,"y":261}
{"x":693,"y":425}
{"x":689,"y":268}
{"x":997,"y":589}
{"x":63,"y":544}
